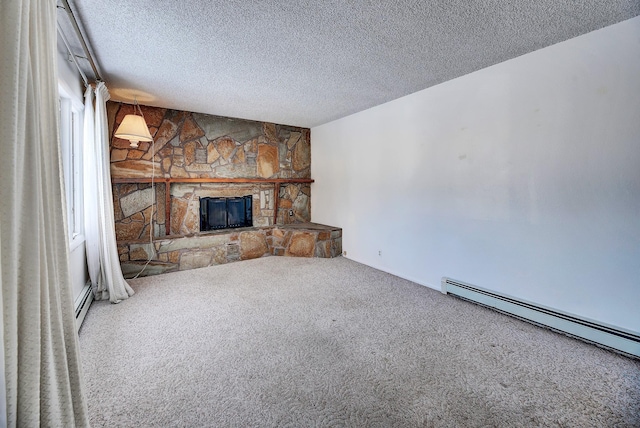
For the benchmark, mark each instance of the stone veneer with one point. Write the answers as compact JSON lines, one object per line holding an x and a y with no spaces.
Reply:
{"x":194,"y":145}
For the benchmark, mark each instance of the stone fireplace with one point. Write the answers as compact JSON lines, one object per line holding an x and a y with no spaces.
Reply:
{"x":196,"y":156}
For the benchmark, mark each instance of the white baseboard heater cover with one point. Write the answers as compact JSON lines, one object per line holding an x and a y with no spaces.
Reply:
{"x":601,"y":334}
{"x":82,"y":303}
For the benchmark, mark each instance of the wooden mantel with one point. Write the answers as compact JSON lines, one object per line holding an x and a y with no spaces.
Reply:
{"x":168,"y":181}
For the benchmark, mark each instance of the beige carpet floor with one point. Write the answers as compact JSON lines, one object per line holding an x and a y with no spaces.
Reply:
{"x":314,"y":342}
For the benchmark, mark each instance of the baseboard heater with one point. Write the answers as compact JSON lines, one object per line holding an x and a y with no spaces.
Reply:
{"x":82,"y":303}
{"x":600,"y":334}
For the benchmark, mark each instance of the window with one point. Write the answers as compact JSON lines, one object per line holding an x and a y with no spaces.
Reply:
{"x":71,"y":145}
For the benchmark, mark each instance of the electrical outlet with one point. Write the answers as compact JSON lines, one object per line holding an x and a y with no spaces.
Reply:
{"x":290,"y":213}
{"x":379,"y":252}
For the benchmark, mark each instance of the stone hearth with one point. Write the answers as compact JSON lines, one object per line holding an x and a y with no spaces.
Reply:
{"x":213,"y":248}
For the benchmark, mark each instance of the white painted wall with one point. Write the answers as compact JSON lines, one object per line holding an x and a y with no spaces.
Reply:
{"x":523,"y":178}
{"x":70,"y":79}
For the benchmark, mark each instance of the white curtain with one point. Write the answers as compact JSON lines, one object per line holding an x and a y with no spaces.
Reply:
{"x":102,"y":252}
{"x":41,"y":358}
{"x":90,"y":187}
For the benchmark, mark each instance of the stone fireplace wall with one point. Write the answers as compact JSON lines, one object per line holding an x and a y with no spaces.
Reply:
{"x":195,"y":145}
{"x":199,"y":145}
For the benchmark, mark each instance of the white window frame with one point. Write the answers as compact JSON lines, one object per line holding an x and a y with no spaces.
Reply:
{"x":71,"y":121}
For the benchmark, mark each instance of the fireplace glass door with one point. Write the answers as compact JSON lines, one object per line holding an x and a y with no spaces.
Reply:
{"x":223,"y":213}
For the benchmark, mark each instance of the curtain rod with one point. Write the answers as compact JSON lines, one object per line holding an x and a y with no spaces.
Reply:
{"x":72,"y":56}
{"x":72,"y":18}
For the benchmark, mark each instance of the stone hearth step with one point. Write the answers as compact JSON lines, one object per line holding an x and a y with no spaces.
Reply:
{"x":172,"y":253}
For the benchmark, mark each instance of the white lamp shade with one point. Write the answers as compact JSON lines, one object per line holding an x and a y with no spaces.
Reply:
{"x":133,"y":128}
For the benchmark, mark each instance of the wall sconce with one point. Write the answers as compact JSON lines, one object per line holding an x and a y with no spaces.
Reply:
{"x":134,"y":128}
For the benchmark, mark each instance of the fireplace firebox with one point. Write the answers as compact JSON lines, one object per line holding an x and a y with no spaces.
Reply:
{"x":225,"y":213}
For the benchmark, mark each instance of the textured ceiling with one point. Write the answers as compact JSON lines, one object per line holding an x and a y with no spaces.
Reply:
{"x":305,"y":63}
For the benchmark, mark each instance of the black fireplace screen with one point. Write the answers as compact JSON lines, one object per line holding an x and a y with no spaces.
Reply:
{"x":223,"y":213}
